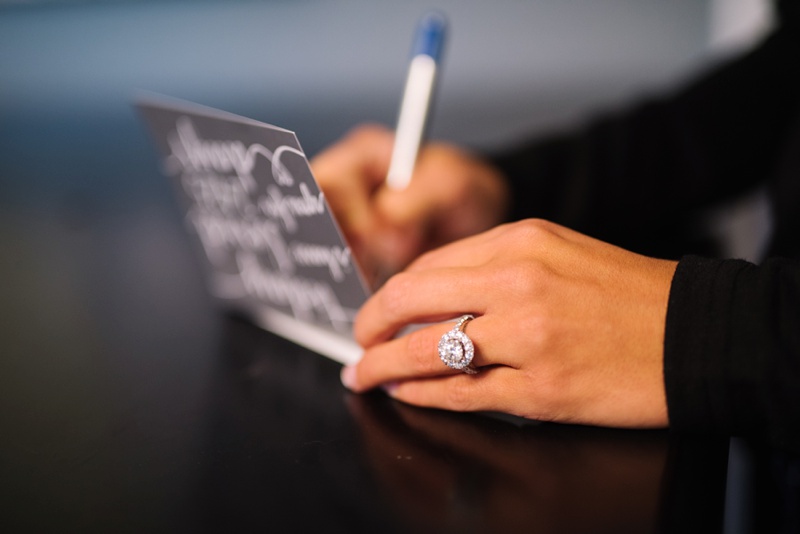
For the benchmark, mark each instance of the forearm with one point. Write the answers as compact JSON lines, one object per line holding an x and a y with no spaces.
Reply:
{"x":732,"y":349}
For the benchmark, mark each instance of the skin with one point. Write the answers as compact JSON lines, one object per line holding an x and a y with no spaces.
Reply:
{"x":452,"y":195}
{"x":567,"y":328}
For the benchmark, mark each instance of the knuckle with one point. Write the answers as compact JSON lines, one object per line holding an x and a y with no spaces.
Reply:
{"x":531,"y":231}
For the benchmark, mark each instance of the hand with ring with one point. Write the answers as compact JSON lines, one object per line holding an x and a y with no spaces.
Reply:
{"x":566,"y":328}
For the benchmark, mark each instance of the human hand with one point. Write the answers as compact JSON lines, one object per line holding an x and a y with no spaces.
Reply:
{"x":451,"y":195}
{"x":567,"y":328}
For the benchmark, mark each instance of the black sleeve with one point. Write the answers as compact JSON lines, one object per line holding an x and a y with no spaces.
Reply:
{"x":631,"y":178}
{"x":732,"y":349}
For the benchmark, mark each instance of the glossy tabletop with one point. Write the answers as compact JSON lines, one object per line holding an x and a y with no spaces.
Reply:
{"x":130,"y":402}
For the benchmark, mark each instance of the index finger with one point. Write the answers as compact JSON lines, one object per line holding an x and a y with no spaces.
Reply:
{"x":349,"y":172}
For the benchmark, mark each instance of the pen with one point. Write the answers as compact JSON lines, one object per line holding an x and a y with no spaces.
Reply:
{"x":417,"y":96}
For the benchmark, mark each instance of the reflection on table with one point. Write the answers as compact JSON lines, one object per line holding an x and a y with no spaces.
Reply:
{"x":130,"y":403}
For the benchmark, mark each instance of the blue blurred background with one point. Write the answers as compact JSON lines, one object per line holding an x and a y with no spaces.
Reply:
{"x":69,"y":71}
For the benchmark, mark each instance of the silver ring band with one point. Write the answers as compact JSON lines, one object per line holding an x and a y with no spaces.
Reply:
{"x":456,"y":349}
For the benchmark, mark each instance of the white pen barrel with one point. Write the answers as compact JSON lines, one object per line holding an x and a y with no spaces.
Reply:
{"x":411,"y":123}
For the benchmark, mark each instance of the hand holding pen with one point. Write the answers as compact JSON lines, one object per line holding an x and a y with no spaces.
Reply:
{"x":417,"y":99}
{"x":388,"y":217}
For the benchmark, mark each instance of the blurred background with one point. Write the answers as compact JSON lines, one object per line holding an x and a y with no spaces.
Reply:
{"x":69,"y":71}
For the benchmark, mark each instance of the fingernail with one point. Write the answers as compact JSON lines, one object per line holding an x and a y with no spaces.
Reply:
{"x":348,"y":376}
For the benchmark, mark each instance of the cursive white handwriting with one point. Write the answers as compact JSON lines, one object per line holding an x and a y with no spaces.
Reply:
{"x":304,"y":297}
{"x":335,"y":258}
{"x":287,"y":208}
{"x":195,"y":154}
{"x":218,"y":233}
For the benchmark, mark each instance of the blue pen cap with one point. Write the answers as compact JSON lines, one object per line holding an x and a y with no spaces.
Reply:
{"x":430,"y":36}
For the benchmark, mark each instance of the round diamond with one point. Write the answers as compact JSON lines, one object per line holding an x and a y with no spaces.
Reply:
{"x":456,"y":350}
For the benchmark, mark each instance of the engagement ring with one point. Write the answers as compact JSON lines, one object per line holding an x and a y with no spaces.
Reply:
{"x":456,"y":349}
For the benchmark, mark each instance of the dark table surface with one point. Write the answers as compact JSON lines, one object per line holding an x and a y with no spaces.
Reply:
{"x":130,"y":402}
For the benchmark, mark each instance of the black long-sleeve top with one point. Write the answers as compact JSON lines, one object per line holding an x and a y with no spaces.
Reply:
{"x":639,"y":180}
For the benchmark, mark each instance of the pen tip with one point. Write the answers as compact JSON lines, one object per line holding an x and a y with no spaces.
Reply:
{"x":431,"y":35}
